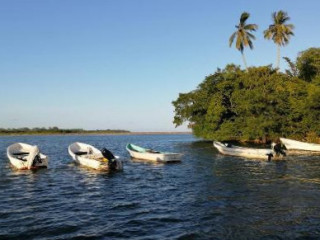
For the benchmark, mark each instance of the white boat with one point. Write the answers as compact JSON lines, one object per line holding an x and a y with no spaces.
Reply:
{"x":89,"y":156}
{"x":24,"y":156}
{"x":151,"y":155}
{"x":297,"y":145}
{"x":255,"y":153}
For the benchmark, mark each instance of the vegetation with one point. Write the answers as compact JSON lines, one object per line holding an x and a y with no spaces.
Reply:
{"x":243,"y":36}
{"x":308,"y":64}
{"x":279,"y":31}
{"x":258,"y":104}
{"x":55,"y":130}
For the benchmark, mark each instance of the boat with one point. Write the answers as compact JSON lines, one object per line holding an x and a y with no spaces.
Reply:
{"x":24,"y":156}
{"x":254,"y":153}
{"x":152,"y":155}
{"x":89,"y":156}
{"x":302,"y":146}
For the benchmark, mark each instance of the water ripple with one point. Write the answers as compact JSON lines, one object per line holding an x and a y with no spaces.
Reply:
{"x":207,"y":196}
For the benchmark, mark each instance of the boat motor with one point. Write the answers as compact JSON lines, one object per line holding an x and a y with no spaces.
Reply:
{"x":279,"y":149}
{"x":37,"y":159}
{"x":112,"y":162}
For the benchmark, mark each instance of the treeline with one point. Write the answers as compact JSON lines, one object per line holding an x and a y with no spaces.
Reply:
{"x":55,"y":130}
{"x":258,"y":104}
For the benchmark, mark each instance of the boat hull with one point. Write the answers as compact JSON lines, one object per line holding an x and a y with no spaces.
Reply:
{"x":297,"y":145}
{"x":155,"y":156}
{"x":244,"y":152}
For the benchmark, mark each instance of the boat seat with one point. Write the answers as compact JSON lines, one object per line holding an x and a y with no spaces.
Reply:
{"x":80,"y":153}
{"x":152,"y":151}
{"x":20,"y":153}
{"x":22,"y":159}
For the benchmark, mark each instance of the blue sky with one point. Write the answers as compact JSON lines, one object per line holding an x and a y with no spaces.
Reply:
{"x":119,"y":63}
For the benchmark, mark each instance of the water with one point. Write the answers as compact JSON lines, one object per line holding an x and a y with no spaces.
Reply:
{"x":207,"y":196}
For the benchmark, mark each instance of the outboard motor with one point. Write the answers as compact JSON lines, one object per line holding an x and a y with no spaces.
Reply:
{"x":279,"y":149}
{"x":112,"y":162}
{"x":37,"y":159}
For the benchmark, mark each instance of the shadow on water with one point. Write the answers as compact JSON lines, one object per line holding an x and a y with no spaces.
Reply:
{"x":152,"y":162}
{"x":149,"y":162}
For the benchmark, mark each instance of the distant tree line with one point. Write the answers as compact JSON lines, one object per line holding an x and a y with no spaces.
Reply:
{"x":54,"y":130}
{"x":259,"y":103}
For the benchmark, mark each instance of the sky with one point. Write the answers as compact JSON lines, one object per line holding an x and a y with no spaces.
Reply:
{"x":118,"y":64}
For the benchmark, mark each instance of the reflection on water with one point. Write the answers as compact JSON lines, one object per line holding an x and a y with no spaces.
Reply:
{"x":152,"y":162}
{"x":206,"y":196}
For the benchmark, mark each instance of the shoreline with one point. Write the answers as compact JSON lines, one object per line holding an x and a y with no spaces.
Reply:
{"x":95,"y":134}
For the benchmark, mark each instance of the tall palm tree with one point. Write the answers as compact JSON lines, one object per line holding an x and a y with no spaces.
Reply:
{"x":279,"y":31}
{"x":243,"y":35}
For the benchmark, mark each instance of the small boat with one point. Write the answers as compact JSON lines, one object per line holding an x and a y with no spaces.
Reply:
{"x":89,"y":156}
{"x":297,"y":145}
{"x":24,"y":156}
{"x":152,"y":155}
{"x":255,"y":153}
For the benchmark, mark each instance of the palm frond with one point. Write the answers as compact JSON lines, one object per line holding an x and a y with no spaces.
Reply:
{"x":291,"y":26}
{"x":251,"y":27}
{"x":231,"y":39}
{"x":250,"y":44}
{"x":267,"y":34}
{"x":293,"y":68}
{"x":274,"y":16}
{"x":251,"y":36}
{"x":239,"y":44}
{"x":244,"y":16}
{"x":245,"y":40}
{"x":285,"y":19}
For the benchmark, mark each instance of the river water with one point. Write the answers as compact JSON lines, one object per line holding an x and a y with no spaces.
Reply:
{"x":206,"y":196}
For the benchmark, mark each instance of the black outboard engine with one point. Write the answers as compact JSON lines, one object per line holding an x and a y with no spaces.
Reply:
{"x":112,"y":162}
{"x":37,"y":159}
{"x":279,"y":149}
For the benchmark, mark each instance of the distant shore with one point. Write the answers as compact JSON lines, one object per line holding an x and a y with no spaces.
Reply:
{"x":94,"y":133}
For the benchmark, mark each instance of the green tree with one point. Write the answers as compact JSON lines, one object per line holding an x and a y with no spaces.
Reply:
{"x":293,"y":71}
{"x":308,"y":64}
{"x":243,"y":36}
{"x":279,"y":31}
{"x":260,"y":103}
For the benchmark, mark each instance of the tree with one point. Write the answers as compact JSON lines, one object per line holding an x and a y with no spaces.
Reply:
{"x":258,"y":104}
{"x":308,"y":64}
{"x":243,"y":36}
{"x":279,"y":31}
{"x":293,"y":71}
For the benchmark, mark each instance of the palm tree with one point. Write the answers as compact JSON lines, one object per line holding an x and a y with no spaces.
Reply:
{"x":243,"y":35}
{"x":279,"y":31}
